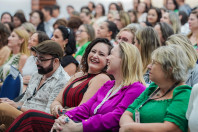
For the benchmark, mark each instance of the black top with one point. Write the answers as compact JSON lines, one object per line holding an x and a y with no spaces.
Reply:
{"x":66,"y":60}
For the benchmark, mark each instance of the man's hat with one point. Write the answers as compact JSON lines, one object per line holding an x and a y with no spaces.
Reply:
{"x":49,"y":47}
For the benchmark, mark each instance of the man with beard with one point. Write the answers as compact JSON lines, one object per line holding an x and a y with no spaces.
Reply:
{"x":43,"y":87}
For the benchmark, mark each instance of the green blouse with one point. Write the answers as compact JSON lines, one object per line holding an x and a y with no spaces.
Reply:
{"x":82,"y":49}
{"x":172,"y":110}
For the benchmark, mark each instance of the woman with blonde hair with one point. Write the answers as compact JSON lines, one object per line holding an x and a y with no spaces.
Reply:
{"x":162,"y":106}
{"x":122,"y":19}
{"x":127,"y":35}
{"x":172,"y":18}
{"x":101,"y":112}
{"x":146,"y":40}
{"x":18,"y":43}
{"x":184,"y":42}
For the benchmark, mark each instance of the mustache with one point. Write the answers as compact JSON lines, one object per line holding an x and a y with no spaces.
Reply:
{"x":39,"y":66}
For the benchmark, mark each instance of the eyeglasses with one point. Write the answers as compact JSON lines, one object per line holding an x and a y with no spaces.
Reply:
{"x":39,"y":60}
{"x":80,"y":31}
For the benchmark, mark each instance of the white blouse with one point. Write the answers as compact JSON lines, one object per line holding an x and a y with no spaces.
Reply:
{"x":192,"y":112}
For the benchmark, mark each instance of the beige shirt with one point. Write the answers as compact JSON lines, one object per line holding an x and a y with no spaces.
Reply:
{"x":42,"y":99}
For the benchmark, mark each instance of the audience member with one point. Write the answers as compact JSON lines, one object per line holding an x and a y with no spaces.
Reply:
{"x":37,"y":19}
{"x":172,"y":18}
{"x":135,"y":4}
{"x":146,"y":40}
{"x":108,"y":30}
{"x":133,"y":16}
{"x":172,"y":5}
{"x":127,"y":35}
{"x":162,"y":106}
{"x":154,"y":15}
{"x":18,"y":19}
{"x":185,"y":44}
{"x":30,"y":66}
{"x":9,"y":25}
{"x":4,"y":49}
{"x":142,"y":12}
{"x":48,"y":20}
{"x":112,"y":15}
{"x":114,"y":6}
{"x":86,"y":17}
{"x":29,"y":27}
{"x":69,"y":9}
{"x":122,"y":19}
{"x":59,"y":22}
{"x":148,"y":3}
{"x":65,"y":38}
{"x":119,"y":3}
{"x":6,"y":17}
{"x":84,"y":35}
{"x":102,"y":112}
{"x":183,"y":6}
{"x":74,"y":23}
{"x":164,"y":30}
{"x":56,"y":12}
{"x":191,"y":113}
{"x":91,"y":7}
{"x":17,"y":42}
{"x":184,"y":23}
{"x":193,"y":36}
{"x":43,"y":87}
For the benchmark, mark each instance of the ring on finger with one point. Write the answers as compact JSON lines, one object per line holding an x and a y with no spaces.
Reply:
{"x":67,"y":119}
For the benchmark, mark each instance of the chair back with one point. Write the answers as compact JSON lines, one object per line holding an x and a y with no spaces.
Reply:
{"x":13,"y":85}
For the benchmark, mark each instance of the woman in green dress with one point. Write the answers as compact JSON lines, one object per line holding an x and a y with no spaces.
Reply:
{"x":162,"y":106}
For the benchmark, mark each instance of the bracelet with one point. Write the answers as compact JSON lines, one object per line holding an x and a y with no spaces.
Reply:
{"x":19,"y":108}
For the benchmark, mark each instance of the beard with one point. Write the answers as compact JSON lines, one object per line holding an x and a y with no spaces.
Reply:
{"x":46,"y":70}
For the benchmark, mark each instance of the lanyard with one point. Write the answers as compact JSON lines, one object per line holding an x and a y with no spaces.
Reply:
{"x":109,"y":95}
{"x":34,"y":93}
{"x":155,"y":92}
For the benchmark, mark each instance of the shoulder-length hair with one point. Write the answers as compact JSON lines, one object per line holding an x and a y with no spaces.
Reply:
{"x":173,"y":60}
{"x":23,"y":34}
{"x":84,"y":63}
{"x":185,"y":44}
{"x":131,"y":64}
{"x":148,"y":40}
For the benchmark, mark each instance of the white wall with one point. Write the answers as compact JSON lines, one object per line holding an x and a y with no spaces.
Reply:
{"x":13,"y":5}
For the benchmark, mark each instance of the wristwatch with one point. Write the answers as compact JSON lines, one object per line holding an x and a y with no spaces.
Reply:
{"x":19,"y":108}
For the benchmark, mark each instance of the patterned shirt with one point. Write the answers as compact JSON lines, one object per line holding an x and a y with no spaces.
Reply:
{"x":43,"y":98}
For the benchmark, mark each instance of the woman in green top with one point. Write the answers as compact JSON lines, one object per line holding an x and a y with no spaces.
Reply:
{"x":84,"y":35}
{"x":162,"y":107}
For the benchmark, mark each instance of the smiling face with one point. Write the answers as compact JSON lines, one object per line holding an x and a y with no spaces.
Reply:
{"x":152,"y":16}
{"x":97,"y":58}
{"x":33,"y":41}
{"x":114,"y":61}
